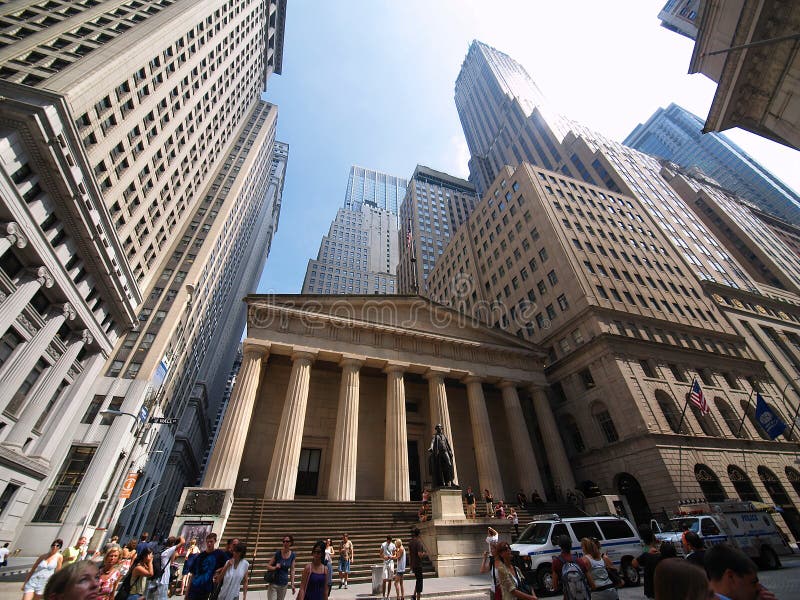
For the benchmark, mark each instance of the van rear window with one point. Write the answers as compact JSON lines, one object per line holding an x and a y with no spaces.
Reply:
{"x":585,"y":529}
{"x":613,"y":530}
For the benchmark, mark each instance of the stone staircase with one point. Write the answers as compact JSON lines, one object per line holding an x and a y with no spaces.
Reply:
{"x":367,"y":522}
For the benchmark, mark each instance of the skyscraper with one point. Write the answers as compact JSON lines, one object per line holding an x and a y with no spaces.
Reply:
{"x":636,"y":283}
{"x":136,"y":154}
{"x":677,"y":135}
{"x":436,"y":204}
{"x":359,"y":255}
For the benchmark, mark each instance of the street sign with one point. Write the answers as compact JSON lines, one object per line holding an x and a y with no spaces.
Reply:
{"x":128,"y":484}
{"x":163,"y":421}
{"x":143,"y":414}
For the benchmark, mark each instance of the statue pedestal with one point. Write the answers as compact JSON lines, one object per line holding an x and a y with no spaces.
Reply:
{"x":201,"y":511}
{"x":446,"y":505}
{"x":456,"y":547}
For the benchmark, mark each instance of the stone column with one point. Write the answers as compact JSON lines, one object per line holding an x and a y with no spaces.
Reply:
{"x":554,"y":447}
{"x":440,"y":412}
{"x":13,"y":237}
{"x":342,"y":484}
{"x":396,"y":484}
{"x":485,"y":454}
{"x":27,"y":286}
{"x":524,"y":458}
{"x":13,"y":374}
{"x":223,"y":464}
{"x":282,"y":478}
{"x":44,"y":392}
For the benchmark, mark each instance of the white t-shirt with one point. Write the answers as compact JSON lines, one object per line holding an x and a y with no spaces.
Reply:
{"x":166,"y":560}
{"x":3,"y":554}
{"x":492,"y":539}
{"x":387,"y":551}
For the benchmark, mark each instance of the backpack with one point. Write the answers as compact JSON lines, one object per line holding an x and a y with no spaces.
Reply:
{"x":158,"y":562}
{"x":574,"y":582}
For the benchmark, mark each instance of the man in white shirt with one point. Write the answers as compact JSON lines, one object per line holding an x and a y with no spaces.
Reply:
{"x":4,"y":551}
{"x":157,"y":589}
{"x":387,"y":554}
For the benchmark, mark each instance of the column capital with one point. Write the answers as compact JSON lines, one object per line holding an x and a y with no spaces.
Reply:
{"x":435,"y":374}
{"x":472,"y":379}
{"x":85,"y":337}
{"x":304,"y":356}
{"x":43,"y":276}
{"x":396,"y":368}
{"x":351,"y":361}
{"x":504,"y":383}
{"x":253,"y":347}
{"x":68,"y":311}
{"x":14,"y":234}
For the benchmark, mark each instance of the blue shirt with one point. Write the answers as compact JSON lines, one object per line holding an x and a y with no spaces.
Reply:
{"x":203,"y":568}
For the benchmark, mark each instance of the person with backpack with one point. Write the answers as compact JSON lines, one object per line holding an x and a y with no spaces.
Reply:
{"x":570,"y":572}
{"x":162,"y":559}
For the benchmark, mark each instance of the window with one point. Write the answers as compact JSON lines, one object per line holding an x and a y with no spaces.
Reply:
{"x":572,"y":435}
{"x":586,"y":379}
{"x":552,"y":278}
{"x":8,"y":343}
{"x":6,"y":496}
{"x":585,"y":529}
{"x":606,"y":424}
{"x":59,"y":497}
{"x":677,"y":372}
{"x":93,"y":409}
{"x":647,"y":368}
{"x":543,"y":254}
{"x":562,"y":303}
{"x":671,"y":412}
{"x":617,"y":529}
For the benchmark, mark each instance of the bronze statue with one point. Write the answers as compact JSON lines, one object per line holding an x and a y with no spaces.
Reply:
{"x":440,"y":460}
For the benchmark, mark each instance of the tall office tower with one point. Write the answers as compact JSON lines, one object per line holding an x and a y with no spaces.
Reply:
{"x":360,"y":253}
{"x":677,"y":135}
{"x":680,"y":16}
{"x":373,"y":188}
{"x":436,"y":204}
{"x":494,"y":95}
{"x":117,"y":118}
{"x":607,"y":258}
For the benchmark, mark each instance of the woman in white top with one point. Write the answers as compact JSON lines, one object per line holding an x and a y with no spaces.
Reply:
{"x":42,"y":569}
{"x":234,"y":575}
{"x":400,"y":557}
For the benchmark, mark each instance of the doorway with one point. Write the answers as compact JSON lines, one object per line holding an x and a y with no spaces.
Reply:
{"x":308,"y":472}
{"x":414,"y":475}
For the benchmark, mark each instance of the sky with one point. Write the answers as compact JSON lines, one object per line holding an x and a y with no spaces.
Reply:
{"x":370,"y":82}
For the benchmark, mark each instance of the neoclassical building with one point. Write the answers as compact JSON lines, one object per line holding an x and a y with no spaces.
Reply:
{"x":337,"y":398}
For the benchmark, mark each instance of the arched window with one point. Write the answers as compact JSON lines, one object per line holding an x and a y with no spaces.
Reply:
{"x":730,"y":418}
{"x":709,"y":483}
{"x":794,"y":478}
{"x":707,"y":422}
{"x":603,"y":419}
{"x":744,"y":487}
{"x":671,"y":411}
{"x":628,"y":487}
{"x":750,"y":410}
{"x":571,"y":435}
{"x":780,"y":498}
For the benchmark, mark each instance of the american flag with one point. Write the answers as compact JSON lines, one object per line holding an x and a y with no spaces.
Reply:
{"x":696,"y":396}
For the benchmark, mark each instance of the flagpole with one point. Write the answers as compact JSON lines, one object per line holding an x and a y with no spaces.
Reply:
{"x":797,"y":412}
{"x":680,"y":440}
{"x":741,"y":423}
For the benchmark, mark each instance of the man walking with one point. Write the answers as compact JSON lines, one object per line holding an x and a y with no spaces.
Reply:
{"x":416,"y":552}
{"x":387,"y":554}
{"x":470,"y":496}
{"x":345,"y":559}
{"x":74,"y":553}
{"x":159,"y":586}
{"x":203,"y":568}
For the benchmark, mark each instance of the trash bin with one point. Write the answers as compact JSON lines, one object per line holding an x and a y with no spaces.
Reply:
{"x":377,"y":580}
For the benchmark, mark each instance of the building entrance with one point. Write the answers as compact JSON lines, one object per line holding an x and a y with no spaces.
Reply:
{"x":414,"y":474}
{"x":308,"y":472}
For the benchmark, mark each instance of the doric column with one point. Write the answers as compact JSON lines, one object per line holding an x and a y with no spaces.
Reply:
{"x":342,"y":484}
{"x":485,"y":454}
{"x":12,"y":375}
{"x":553,"y":446}
{"x":223,"y":464}
{"x":396,"y":484}
{"x":524,"y":458}
{"x":282,"y":478}
{"x":13,"y":236}
{"x":440,"y":412}
{"x":44,"y":392}
{"x":15,"y":303}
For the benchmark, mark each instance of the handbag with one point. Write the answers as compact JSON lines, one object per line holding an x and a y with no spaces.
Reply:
{"x":269,"y":576}
{"x":124,"y":589}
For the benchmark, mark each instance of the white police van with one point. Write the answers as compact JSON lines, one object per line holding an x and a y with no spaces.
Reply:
{"x":537,"y":544}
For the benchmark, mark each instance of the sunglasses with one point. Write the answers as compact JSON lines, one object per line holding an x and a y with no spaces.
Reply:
{"x":55,"y":545}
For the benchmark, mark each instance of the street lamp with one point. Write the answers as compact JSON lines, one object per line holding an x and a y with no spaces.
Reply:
{"x":110,"y":412}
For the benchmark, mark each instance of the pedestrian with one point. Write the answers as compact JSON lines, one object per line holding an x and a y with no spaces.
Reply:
{"x":648,"y":560}
{"x":114,"y":541}
{"x":514,"y":518}
{"x":110,"y":574}
{"x":4,"y":552}
{"x":76,"y":552}
{"x":282,"y":564}
{"x":599,"y":579}
{"x":387,"y":555}
{"x":500,"y":510}
{"x":492,"y":537}
{"x":697,"y":552}
{"x":509,"y":579}
{"x":43,"y":568}
{"x":416,"y":552}
{"x":489,"y":502}
{"x":189,"y":556}
{"x":522,"y":499}
{"x":313,"y":585}
{"x":203,"y":569}
{"x":234,"y":574}
{"x":77,"y":581}
{"x":328,"y":562}
{"x":676,"y":579}
{"x":536,"y":498}
{"x":470,"y":497}
{"x":488,"y":566}
{"x":141,"y":569}
{"x":345,"y":560}
{"x":143,"y":542}
{"x":570,"y":572}
{"x":733,"y":576}
{"x":159,"y":585}
{"x":128,"y":557}
{"x":400,"y":557}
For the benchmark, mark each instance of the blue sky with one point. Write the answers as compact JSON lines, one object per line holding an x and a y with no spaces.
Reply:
{"x":370,"y":82}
